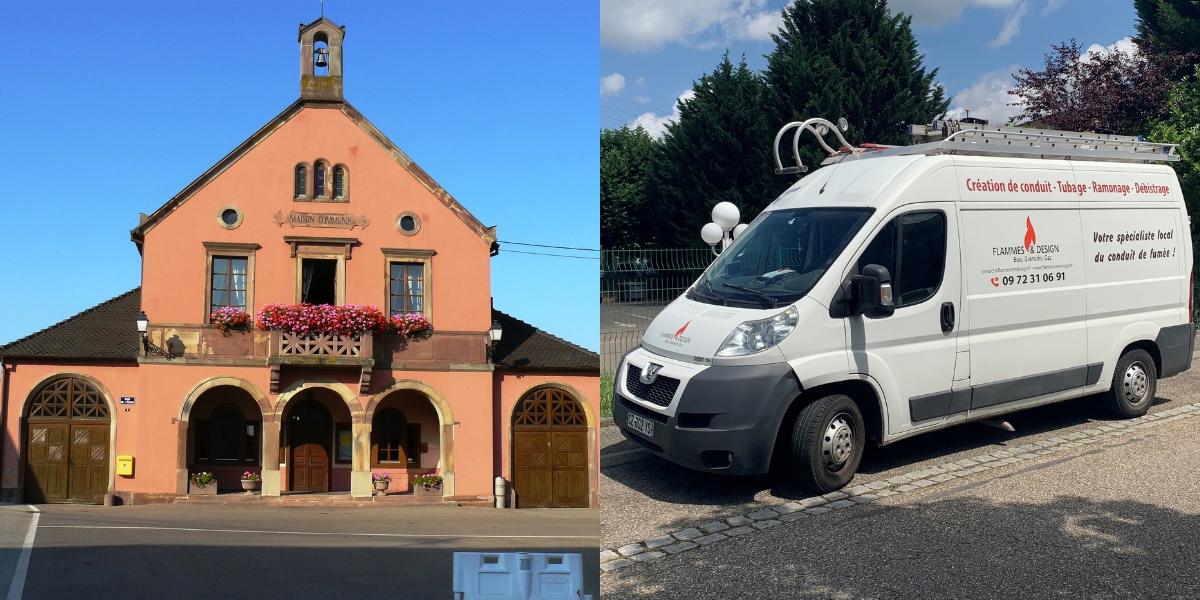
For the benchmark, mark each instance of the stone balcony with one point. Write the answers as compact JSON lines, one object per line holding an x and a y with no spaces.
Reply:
{"x":205,"y":344}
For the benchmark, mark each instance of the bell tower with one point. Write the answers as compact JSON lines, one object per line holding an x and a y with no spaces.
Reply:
{"x":321,"y":60}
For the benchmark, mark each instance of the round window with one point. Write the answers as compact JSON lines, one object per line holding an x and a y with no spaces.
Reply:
{"x":408,"y":223}
{"x":229,"y":217}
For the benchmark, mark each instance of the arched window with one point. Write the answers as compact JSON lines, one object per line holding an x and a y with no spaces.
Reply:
{"x":319,"y":180}
{"x":69,"y":398}
{"x":339,"y":182}
{"x":301,"y":181}
{"x":227,"y":437}
{"x":394,"y":441}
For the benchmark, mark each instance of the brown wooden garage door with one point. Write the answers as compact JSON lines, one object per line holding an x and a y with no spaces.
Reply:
{"x":550,"y":452}
{"x":67,"y":446}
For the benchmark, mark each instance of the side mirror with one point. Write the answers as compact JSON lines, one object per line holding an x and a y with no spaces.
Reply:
{"x":870,"y":294}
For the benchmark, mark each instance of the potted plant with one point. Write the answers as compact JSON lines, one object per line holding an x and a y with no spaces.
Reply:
{"x":250,"y":481}
{"x":382,"y":481}
{"x":427,"y":485}
{"x":203,"y":483}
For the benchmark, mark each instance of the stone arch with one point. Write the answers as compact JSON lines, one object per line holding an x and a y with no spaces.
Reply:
{"x":351,"y":399}
{"x":445,"y":418}
{"x":112,"y":424}
{"x":593,"y":422}
{"x":264,"y":405}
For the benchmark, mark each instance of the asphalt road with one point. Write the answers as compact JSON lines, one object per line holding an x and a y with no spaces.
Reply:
{"x":208,"y":551}
{"x":616,"y":317}
{"x":653,"y":497}
{"x":1113,"y":519}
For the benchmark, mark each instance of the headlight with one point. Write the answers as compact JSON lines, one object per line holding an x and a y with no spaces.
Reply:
{"x":755,"y":336}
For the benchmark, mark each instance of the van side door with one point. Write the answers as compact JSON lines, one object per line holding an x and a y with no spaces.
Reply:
{"x":911,"y":353}
{"x":1026,"y":303}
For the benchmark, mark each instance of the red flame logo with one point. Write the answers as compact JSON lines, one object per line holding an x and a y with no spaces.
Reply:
{"x":680,"y":332}
{"x":1030,"y":236}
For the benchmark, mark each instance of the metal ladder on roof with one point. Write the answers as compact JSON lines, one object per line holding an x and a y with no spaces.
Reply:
{"x":955,"y":137}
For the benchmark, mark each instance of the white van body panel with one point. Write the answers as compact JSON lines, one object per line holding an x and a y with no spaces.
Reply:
{"x":1045,"y":296}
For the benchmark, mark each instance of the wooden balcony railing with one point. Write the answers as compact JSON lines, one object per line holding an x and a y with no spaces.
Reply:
{"x":324,"y":344}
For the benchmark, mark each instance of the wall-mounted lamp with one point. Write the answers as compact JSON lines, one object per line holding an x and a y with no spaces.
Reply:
{"x":494,"y":334}
{"x":143,"y":324}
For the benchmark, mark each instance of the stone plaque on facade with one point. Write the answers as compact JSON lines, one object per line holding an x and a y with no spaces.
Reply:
{"x":307,"y":219}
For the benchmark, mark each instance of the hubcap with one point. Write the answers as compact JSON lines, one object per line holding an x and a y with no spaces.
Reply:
{"x":838,"y":442}
{"x":1136,"y":384}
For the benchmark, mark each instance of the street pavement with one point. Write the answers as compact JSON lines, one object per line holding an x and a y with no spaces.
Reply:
{"x":1104,"y":509}
{"x":14,"y":526}
{"x":616,"y":317}
{"x":251,"y":551}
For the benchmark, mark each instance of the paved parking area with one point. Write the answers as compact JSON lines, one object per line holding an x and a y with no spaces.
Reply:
{"x":975,"y":521}
{"x":210,"y":551}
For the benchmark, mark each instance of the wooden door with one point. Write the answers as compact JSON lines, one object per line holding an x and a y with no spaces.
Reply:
{"x":531,"y":468}
{"x":46,"y":462}
{"x":88,"y":464}
{"x":550,"y":451}
{"x":310,"y":436}
{"x":67,"y":443}
{"x":570,"y":468}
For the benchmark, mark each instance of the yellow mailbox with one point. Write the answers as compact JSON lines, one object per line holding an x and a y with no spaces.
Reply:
{"x":124,"y":465}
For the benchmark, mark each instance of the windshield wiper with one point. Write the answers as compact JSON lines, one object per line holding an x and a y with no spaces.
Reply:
{"x":715,"y":295}
{"x":774,"y":304}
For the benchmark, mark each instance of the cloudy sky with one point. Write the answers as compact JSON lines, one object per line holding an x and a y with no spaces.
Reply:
{"x":652,"y":50}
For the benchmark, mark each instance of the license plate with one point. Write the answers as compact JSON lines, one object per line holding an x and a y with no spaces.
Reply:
{"x":640,"y":424}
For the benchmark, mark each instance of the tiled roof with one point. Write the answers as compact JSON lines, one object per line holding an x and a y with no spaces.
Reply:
{"x":107,"y":331}
{"x":527,"y":348}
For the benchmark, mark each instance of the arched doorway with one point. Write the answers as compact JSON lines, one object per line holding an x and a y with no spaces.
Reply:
{"x":67,"y":443}
{"x":225,"y":435}
{"x":309,"y":435}
{"x":405,"y":438}
{"x":550,"y":450}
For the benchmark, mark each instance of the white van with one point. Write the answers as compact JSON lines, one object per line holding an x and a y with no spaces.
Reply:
{"x":903,"y":290}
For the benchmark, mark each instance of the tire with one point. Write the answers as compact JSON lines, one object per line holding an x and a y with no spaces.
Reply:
{"x":1134,"y":384}
{"x":828,"y":438}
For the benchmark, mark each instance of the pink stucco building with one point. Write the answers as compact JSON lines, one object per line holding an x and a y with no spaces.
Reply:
{"x":316,"y":207}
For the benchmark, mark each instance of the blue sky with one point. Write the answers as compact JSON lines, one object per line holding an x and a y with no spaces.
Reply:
{"x":658,"y":47}
{"x":111,"y":108}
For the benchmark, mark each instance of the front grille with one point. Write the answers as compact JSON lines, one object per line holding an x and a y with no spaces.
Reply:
{"x":661,"y":392}
{"x":641,"y":410}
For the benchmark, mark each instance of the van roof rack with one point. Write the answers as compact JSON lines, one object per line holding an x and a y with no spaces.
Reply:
{"x":958,"y":137}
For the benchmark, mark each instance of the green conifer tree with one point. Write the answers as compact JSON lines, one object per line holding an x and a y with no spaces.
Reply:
{"x":853,"y":59}
{"x":718,"y":150}
{"x":1169,"y":26}
{"x":625,"y":156}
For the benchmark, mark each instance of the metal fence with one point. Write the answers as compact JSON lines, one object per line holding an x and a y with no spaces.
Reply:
{"x":635,"y":285}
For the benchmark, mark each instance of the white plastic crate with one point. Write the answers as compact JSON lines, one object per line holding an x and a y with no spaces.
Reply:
{"x":518,"y":576}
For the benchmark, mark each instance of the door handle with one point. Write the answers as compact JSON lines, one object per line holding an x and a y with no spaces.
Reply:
{"x":947,"y":316}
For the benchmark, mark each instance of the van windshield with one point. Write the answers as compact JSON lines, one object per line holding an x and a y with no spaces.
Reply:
{"x":780,"y":257}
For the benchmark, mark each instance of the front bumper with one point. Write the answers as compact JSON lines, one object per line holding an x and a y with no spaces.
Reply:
{"x":724,"y":419}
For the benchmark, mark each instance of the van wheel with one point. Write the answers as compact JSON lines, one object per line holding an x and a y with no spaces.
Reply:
{"x":1134,"y":384}
{"x":827,"y":443}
